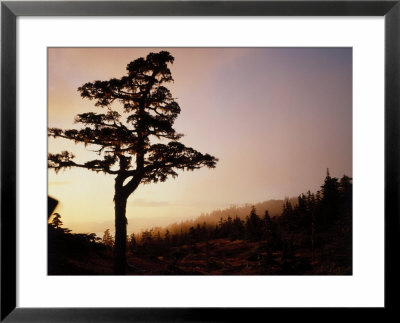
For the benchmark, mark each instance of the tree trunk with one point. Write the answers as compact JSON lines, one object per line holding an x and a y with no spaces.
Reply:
{"x":120,"y":234}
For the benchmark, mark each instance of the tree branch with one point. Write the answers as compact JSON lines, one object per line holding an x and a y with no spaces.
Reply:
{"x":64,"y":160}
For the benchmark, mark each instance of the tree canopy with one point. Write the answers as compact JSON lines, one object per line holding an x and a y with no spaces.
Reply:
{"x":125,"y":144}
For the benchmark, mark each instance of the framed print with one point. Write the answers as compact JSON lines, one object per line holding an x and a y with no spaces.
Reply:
{"x":287,"y":114}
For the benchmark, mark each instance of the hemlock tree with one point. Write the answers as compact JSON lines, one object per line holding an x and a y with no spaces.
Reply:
{"x":138,"y":147}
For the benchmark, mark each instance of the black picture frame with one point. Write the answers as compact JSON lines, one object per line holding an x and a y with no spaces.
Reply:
{"x":11,"y":10}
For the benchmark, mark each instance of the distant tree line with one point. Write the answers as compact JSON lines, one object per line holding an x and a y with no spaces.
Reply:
{"x":308,"y":224}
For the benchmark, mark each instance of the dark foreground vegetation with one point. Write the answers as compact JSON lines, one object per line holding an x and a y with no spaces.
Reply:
{"x":311,"y":236}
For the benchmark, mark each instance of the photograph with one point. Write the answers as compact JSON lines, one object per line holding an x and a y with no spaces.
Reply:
{"x":200,"y":161}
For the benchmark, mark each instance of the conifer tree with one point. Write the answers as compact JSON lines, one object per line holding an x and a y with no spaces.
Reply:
{"x":254,"y":226}
{"x":139,"y":111}
{"x":56,"y":222}
{"x":108,"y":239}
{"x":330,"y":200}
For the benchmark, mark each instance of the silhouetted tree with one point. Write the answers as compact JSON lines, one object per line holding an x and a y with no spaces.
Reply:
{"x":287,"y":212}
{"x":125,"y":145}
{"x":56,"y":222}
{"x":254,"y":226}
{"x":108,"y":239}
{"x":330,"y":202}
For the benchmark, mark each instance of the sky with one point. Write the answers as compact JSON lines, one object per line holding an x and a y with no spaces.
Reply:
{"x":276,"y":118}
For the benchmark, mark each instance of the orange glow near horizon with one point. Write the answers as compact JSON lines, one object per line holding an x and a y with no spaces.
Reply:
{"x":275,"y":117}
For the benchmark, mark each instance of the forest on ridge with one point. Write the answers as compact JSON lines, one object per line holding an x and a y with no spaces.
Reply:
{"x":311,"y":234}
